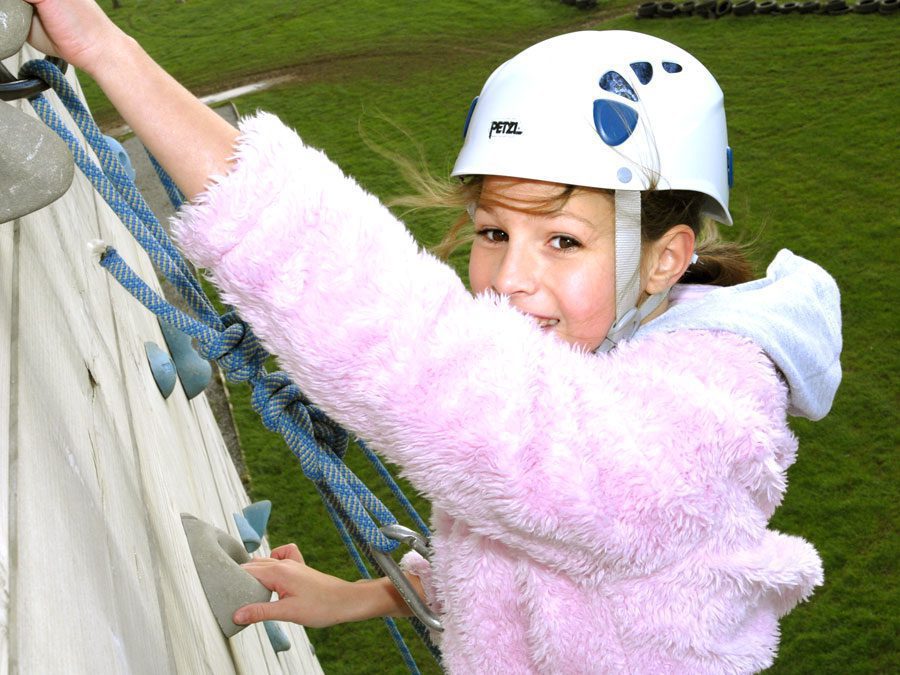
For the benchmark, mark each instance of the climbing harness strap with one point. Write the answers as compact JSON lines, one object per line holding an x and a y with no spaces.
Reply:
{"x":318,"y":443}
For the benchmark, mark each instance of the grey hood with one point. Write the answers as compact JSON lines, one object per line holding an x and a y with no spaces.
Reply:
{"x":793,"y":314}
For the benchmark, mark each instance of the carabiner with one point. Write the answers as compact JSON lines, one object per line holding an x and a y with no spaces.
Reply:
{"x":12,"y":88}
{"x":393,"y":572}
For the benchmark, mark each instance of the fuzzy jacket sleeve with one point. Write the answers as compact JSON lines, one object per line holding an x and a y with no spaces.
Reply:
{"x":524,"y":439}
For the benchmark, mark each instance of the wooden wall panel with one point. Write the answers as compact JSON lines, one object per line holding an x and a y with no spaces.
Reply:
{"x":96,"y":468}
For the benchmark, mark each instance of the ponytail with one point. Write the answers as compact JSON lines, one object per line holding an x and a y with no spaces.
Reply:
{"x":719,"y":262}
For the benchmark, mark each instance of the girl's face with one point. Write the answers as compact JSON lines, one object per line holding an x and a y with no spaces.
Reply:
{"x":557,"y":267}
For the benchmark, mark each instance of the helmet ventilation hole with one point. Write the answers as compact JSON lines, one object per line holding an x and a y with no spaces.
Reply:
{"x":614,"y":83}
{"x":643,"y":70}
{"x":670,"y":67}
{"x":624,"y":174}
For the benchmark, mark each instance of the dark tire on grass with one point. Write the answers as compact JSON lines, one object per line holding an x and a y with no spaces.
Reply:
{"x":744,"y":7}
{"x":646,"y":10}
{"x":809,"y":7}
{"x":765,"y":7}
{"x":788,"y":7}
{"x":723,"y":7}
{"x":705,"y":8}
{"x":667,"y":10}
{"x":866,"y":7}
{"x":687,"y":8}
{"x":886,"y":7}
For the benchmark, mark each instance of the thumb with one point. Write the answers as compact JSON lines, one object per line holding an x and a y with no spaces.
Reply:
{"x":260,"y":611}
{"x":278,"y":610}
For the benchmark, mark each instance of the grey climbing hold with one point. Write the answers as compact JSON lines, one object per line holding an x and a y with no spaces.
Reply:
{"x":250,"y":537}
{"x":194,"y":371}
{"x":218,"y":556}
{"x":257,"y":514}
{"x":15,"y":23}
{"x":36,"y":167}
{"x":277,"y":637}
{"x":162,"y":367}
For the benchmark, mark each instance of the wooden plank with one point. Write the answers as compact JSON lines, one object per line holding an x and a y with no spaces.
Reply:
{"x":7,"y":337}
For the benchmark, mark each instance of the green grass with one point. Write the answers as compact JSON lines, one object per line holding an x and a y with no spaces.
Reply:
{"x":812,"y":106}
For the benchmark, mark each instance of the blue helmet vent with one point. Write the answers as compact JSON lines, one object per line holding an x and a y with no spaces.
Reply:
{"x":670,"y":67}
{"x":469,"y":117}
{"x":614,"y":83}
{"x":643,"y":70}
{"x":614,"y":121}
{"x":729,"y":159}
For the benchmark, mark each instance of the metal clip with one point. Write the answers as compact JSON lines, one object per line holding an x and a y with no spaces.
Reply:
{"x":12,"y":88}
{"x":392,"y":570}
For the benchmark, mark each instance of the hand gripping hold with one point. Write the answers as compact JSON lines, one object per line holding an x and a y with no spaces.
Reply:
{"x":218,"y":556}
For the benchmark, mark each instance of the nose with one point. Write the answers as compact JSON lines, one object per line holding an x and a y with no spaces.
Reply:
{"x":516,"y":272}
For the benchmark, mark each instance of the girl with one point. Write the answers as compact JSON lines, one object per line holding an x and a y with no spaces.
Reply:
{"x":602,"y":445}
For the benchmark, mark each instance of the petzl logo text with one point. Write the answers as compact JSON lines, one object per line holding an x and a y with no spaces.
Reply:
{"x":504,"y":128}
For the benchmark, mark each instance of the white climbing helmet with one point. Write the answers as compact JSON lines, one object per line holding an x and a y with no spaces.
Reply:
{"x":607,"y":109}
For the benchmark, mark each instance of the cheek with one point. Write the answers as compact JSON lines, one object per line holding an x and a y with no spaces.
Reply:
{"x":590,"y":298}
{"x":479,"y":271}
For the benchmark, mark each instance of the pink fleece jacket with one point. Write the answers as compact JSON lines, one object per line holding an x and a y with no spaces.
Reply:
{"x":592,"y":513}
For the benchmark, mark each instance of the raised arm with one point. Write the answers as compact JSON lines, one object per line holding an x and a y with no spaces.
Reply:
{"x":191,"y":141}
{"x":506,"y":429}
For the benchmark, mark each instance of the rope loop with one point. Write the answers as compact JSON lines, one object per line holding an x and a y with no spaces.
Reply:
{"x":236,"y":349}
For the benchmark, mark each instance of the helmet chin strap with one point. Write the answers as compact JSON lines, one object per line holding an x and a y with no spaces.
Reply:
{"x":628,"y":272}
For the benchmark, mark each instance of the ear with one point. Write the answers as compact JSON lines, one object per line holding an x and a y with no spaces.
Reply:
{"x":668,"y":259}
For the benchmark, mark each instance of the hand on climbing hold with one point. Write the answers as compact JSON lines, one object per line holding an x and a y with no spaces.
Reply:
{"x":305,"y":595}
{"x":311,"y":598}
{"x":76,"y":30}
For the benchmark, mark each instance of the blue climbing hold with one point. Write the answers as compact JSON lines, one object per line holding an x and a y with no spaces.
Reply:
{"x":121,"y":154}
{"x":162,"y":367}
{"x":257,"y":514}
{"x":194,"y":371}
{"x":277,"y":637}
{"x":251,"y":538}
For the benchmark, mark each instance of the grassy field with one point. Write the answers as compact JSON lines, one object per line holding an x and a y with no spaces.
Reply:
{"x":812,"y":105}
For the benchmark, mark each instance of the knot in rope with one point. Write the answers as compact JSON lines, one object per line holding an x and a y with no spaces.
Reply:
{"x":282,"y":407}
{"x":236,"y":349}
{"x":328,"y":432}
{"x":274,"y":396}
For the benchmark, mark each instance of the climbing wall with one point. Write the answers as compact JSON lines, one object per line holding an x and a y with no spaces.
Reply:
{"x":96,"y":467}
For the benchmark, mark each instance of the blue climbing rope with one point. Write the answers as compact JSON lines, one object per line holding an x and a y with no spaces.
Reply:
{"x":317,"y":442}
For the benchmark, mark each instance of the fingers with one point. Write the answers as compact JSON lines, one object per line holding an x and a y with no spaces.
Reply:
{"x":273,"y":574}
{"x":288,"y":552}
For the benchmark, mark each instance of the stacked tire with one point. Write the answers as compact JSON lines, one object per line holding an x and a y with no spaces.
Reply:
{"x":714,"y":9}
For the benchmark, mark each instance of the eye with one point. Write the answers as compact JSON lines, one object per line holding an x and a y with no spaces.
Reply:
{"x":562,"y":242}
{"x":493,"y":234}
